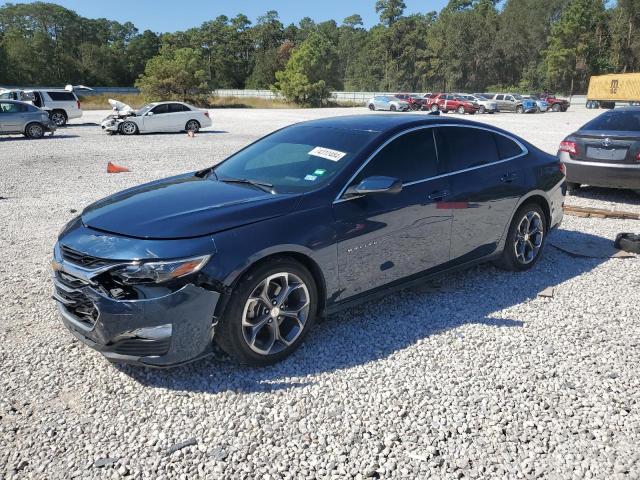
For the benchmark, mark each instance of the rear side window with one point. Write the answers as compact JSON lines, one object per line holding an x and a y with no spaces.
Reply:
{"x":499,"y":97}
{"x":628,"y":121}
{"x":410,"y":157}
{"x":62,"y":96}
{"x":507,"y":148}
{"x":177,"y":107}
{"x":460,"y":148}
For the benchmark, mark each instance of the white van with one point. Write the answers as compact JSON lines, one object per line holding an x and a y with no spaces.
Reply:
{"x":62,"y":105}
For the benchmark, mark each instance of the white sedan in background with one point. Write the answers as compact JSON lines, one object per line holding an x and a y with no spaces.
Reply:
{"x":388,"y":102}
{"x":155,"y":117}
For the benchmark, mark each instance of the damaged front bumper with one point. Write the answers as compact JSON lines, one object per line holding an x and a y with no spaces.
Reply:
{"x":167,"y":330}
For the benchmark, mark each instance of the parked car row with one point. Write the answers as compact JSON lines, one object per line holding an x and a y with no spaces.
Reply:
{"x":470,"y":103}
{"x":61,"y":105}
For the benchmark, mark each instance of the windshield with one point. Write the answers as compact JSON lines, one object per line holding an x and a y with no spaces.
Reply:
{"x":480,"y":98}
{"x":621,"y":121}
{"x":146,"y":108}
{"x":517,"y":97}
{"x":296,"y":159}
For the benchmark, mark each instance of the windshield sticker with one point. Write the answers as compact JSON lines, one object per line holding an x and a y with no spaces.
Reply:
{"x":310,"y":178}
{"x":319,"y":172}
{"x":333,"y":155}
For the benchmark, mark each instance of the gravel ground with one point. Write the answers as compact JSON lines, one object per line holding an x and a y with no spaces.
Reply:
{"x":474,"y":377}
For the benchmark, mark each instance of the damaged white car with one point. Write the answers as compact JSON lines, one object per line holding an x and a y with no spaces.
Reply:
{"x":155,"y":117}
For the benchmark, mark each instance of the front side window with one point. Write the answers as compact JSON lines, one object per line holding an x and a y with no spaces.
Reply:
{"x":160,"y":109}
{"x":409,"y":157}
{"x":296,"y":159}
{"x":499,"y":97}
{"x":460,"y":148}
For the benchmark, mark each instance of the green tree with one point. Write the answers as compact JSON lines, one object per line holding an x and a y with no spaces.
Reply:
{"x":390,"y":10}
{"x":174,"y":74}
{"x":577,"y":46}
{"x":625,"y":36}
{"x":306,"y":79}
{"x":268,"y":34}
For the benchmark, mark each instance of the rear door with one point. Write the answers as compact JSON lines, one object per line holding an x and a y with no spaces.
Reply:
{"x":384,"y":238}
{"x":500,"y":101}
{"x":486,"y":182}
{"x":177,"y":117}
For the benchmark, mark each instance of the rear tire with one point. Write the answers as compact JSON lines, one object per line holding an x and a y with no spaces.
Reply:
{"x":59,"y":117}
{"x":34,"y":131}
{"x":277,"y":336}
{"x":525,"y":240}
{"x":392,"y":108}
{"x":371,"y":107}
{"x":192,"y":126}
{"x":556,"y":107}
{"x":519,"y":109}
{"x":482,"y":109}
{"x":435,"y":107}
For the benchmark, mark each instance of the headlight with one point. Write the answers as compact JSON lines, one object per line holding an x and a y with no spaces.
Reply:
{"x":159,"y":272}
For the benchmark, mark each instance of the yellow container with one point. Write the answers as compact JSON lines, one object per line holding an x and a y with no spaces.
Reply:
{"x":621,"y":87}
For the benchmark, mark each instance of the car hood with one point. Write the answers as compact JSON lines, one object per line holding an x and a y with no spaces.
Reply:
{"x":186,"y":206}
{"x":120,"y":107}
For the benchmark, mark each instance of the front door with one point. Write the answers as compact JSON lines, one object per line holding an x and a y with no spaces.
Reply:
{"x":12,"y":117}
{"x":387,"y":237}
{"x":157,"y":122}
{"x":486,"y":184}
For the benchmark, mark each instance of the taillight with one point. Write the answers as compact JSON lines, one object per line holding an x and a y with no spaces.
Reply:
{"x":638,"y":157}
{"x":206,"y":114}
{"x":562,"y":167}
{"x":568,"y":146}
{"x":78,"y":101}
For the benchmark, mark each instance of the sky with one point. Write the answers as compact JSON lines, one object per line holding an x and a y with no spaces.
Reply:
{"x":171,"y":15}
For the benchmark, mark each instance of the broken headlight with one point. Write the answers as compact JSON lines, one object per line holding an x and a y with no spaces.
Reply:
{"x":158,"y":272}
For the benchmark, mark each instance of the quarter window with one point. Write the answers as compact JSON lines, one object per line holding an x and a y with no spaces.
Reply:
{"x":410,"y":157}
{"x":62,"y":96}
{"x":460,"y":148}
{"x":507,"y":148}
{"x":499,"y":97}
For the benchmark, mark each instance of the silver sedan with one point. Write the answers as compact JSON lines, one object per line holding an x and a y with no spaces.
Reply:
{"x":22,"y":118}
{"x":387,"y":102}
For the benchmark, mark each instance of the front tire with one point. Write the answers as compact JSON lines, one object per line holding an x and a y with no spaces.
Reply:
{"x":460,"y":110}
{"x":482,"y":109}
{"x":519,"y":109}
{"x":34,"y":131}
{"x":526,"y":239}
{"x":435,"y":107}
{"x":270,"y":311}
{"x":556,"y":107}
{"x":572,"y":187}
{"x":128,"y":128}
{"x":392,"y":108}
{"x":371,"y":107}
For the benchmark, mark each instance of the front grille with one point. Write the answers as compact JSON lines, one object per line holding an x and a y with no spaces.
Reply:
{"x":68,"y":292}
{"x":139,"y":347}
{"x":82,"y":259}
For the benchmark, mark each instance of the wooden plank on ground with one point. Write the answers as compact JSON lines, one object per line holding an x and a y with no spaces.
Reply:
{"x":576,"y":211}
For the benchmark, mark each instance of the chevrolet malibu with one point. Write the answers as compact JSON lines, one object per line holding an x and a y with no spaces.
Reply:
{"x":306,"y":221}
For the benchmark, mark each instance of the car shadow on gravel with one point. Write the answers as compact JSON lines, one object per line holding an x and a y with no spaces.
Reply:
{"x":379,"y":329}
{"x":625,"y":197}
{"x":43,"y":139}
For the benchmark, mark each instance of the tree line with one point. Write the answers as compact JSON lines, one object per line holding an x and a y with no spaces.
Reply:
{"x":470,"y":45}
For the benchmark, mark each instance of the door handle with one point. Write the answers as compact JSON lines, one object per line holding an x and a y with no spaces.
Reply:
{"x":509,"y":177}
{"x":438,"y":195}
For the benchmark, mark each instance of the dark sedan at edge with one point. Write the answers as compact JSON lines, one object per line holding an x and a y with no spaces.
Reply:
{"x":605,"y":152}
{"x":308,"y":220}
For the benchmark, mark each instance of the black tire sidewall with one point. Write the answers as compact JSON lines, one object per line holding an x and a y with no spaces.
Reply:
{"x":28,"y":134}
{"x":508,"y":260}
{"x":122,"y":128}
{"x":186,"y":127}
{"x":229,"y":331}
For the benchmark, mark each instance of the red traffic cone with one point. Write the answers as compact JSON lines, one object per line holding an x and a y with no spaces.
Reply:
{"x":111,"y":168}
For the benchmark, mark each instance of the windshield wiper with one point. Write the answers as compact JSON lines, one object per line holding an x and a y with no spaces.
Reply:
{"x":264,"y":186}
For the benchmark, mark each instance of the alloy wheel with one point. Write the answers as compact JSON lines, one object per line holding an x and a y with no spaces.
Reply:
{"x":193,"y":126}
{"x":128,"y":128}
{"x":529,"y":237}
{"x":35,"y":131}
{"x":58,"y":118}
{"x":275,"y":314}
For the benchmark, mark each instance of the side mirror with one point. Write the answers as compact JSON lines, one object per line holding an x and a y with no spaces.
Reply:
{"x":150,"y":114}
{"x":376,"y":184}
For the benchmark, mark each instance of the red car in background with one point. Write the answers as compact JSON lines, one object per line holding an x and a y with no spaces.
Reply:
{"x":446,"y":102}
{"x":555,"y":104}
{"x":415,"y":101}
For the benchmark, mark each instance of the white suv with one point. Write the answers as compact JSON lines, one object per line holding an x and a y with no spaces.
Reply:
{"x":62,"y":105}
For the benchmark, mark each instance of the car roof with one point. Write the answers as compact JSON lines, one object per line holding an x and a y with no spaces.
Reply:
{"x":382,"y":123}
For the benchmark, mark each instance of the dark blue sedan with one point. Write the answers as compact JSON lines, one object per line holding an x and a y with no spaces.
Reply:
{"x":308,"y":220}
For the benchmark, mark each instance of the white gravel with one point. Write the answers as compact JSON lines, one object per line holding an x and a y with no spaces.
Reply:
{"x":474,"y":378}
